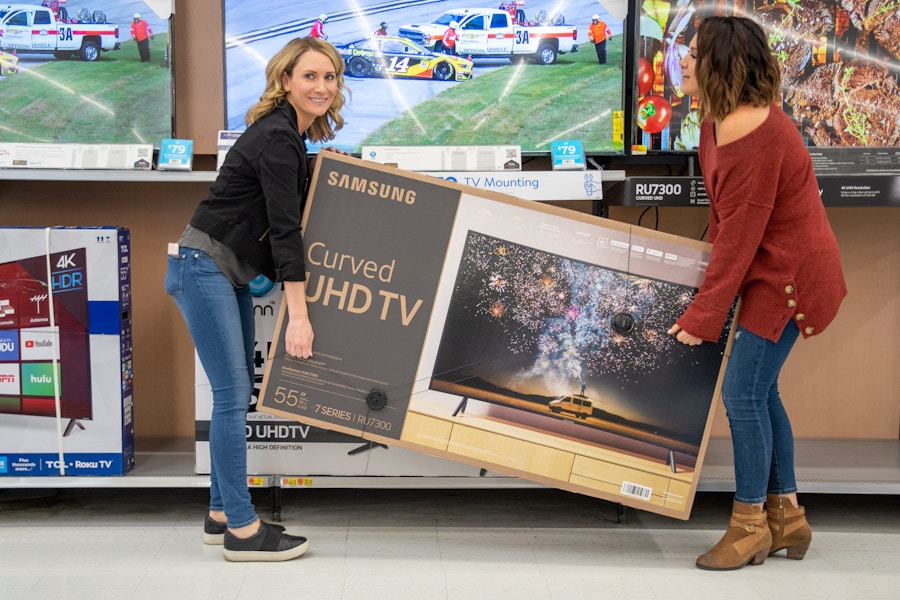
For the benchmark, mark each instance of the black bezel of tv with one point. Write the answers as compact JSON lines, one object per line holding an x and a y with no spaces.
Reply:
{"x":295,"y":23}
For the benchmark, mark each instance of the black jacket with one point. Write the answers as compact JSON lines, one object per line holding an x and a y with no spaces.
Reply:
{"x":256,"y":203}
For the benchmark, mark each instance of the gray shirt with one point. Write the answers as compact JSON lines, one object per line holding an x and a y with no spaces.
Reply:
{"x":237,"y":271}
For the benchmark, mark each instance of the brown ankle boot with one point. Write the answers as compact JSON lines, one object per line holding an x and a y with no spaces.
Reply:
{"x":747,"y":540}
{"x":788,"y":526}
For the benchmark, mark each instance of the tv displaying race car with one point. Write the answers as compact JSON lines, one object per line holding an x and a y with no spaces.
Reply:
{"x":385,"y":56}
{"x":454,"y":72}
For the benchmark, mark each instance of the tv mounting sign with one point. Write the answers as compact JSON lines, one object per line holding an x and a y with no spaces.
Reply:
{"x":515,"y":336}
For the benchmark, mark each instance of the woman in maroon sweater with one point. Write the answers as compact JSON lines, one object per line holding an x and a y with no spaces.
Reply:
{"x":773,"y":246}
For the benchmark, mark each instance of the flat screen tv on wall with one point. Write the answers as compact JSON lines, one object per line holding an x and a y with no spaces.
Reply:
{"x":840,"y":65}
{"x":71,"y":73}
{"x":407,"y":88}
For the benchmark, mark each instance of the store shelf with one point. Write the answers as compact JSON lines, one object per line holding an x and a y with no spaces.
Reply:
{"x":864,"y":190}
{"x":107,"y":175}
{"x":823,"y":466}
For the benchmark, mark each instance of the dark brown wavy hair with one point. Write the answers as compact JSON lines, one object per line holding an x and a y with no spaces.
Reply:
{"x":734,"y":66}
{"x":323,"y":128}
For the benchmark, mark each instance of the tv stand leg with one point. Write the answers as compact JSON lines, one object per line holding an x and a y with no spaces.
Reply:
{"x":72,"y":424}
{"x":462,"y":406}
{"x":276,"y":503}
{"x":365,"y":447}
{"x":671,"y":461}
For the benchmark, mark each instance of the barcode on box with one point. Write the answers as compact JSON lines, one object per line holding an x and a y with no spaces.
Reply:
{"x":635,"y":490}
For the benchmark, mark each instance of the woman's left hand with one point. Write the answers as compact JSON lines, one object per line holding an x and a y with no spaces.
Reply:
{"x":298,"y":338}
{"x":684,"y":337}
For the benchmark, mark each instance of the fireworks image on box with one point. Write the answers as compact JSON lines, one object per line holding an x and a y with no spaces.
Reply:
{"x":544,"y":333}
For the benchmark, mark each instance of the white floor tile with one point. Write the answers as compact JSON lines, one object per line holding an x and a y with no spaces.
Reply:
{"x":431,"y":544}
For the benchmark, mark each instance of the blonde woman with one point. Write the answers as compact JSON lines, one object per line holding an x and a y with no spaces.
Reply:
{"x":249,"y":224}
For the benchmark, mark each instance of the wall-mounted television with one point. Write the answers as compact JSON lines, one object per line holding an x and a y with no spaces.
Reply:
{"x":840,"y":63}
{"x":71,"y":73}
{"x":406,"y":89}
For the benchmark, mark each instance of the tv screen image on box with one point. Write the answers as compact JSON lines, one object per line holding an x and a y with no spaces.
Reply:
{"x":526,"y":86}
{"x":542,"y":333}
{"x":71,"y":73}
{"x":38,"y":353}
{"x":840,"y":61}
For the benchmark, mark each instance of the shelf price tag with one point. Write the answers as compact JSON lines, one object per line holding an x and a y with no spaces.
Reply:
{"x":296,"y":482}
{"x":568,"y":155}
{"x":175,"y":155}
{"x":618,"y":128}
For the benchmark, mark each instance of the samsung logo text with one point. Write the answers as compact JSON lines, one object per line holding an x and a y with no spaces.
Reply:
{"x":370,"y":187}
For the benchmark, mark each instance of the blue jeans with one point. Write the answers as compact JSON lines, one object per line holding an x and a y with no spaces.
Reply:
{"x":219,"y":317}
{"x":761,"y":432}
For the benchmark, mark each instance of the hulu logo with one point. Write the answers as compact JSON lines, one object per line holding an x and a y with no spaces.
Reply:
{"x":37,"y":379}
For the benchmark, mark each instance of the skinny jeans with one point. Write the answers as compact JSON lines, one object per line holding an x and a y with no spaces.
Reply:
{"x":219,"y":317}
{"x":761,"y":433}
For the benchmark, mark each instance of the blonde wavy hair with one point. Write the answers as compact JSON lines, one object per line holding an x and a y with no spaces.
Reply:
{"x":734,"y":66}
{"x":324,"y":127}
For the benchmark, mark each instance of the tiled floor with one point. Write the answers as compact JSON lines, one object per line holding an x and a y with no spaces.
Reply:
{"x":521,"y":544}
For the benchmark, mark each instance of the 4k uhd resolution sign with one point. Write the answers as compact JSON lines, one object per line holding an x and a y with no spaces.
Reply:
{"x":518,"y":337}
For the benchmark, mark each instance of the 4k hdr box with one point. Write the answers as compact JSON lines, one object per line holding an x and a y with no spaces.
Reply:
{"x":65,"y":351}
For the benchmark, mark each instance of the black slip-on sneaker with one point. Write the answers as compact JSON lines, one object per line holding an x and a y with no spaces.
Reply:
{"x":214,"y":532}
{"x":269,"y":544}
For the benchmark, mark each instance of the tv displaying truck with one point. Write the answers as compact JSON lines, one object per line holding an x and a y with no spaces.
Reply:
{"x":523,"y":75}
{"x":70,"y":73}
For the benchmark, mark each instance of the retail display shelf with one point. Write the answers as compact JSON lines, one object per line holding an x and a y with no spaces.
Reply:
{"x":858,"y":190}
{"x":823,"y":466}
{"x":107,"y":175}
{"x":117,"y":175}
{"x":827,"y":466}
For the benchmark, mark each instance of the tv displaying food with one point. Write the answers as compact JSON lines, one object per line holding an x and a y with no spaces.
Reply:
{"x":839,"y":60}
